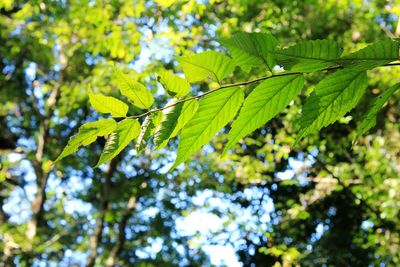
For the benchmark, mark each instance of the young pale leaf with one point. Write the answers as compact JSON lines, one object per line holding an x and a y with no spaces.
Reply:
{"x":369,"y":119}
{"x":175,"y":118}
{"x":147,"y":129}
{"x":173,"y":84}
{"x":125,"y":132}
{"x":215,"y":111}
{"x":136,"y":92}
{"x":332,"y":98}
{"x":309,"y":56}
{"x":251,"y":49}
{"x":375,"y":55}
{"x":264,"y":103}
{"x":108,"y":104}
{"x":204,"y":65}
{"x":87,"y":134}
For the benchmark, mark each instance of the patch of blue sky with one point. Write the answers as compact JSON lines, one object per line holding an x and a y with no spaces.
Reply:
{"x":222,"y":255}
{"x":365,"y":225}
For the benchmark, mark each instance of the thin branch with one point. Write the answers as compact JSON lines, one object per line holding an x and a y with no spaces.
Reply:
{"x":212,"y":91}
{"x":240,"y":84}
{"x":112,"y":258}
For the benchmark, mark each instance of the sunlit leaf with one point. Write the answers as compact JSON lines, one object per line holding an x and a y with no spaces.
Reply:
{"x":204,"y":65}
{"x":173,"y":84}
{"x":264,"y":103}
{"x":108,"y":104}
{"x":215,"y":111}
{"x":87,"y":134}
{"x":125,"y":132}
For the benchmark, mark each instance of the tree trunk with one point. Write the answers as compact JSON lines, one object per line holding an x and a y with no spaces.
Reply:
{"x":104,"y":204}
{"x":112,"y":258}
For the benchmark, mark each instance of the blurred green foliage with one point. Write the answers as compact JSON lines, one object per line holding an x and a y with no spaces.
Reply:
{"x":338,"y":204}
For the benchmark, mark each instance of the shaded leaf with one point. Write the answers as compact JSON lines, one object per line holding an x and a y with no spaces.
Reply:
{"x":369,"y":120}
{"x":175,"y":118}
{"x":309,"y":56}
{"x":251,"y":49}
{"x":147,"y":129}
{"x":332,"y":98}
{"x":376,"y":54}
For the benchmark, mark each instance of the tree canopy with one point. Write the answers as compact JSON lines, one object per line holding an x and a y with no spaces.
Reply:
{"x":285,"y":112}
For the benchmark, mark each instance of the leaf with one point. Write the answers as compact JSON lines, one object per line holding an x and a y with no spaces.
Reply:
{"x":175,"y":118}
{"x":215,"y":111}
{"x":309,"y":56}
{"x":147,"y":129}
{"x":136,"y":92}
{"x":251,"y":49}
{"x":87,"y":134}
{"x":369,"y":120}
{"x":264,"y":103}
{"x":211,"y":64}
{"x":108,"y":104}
{"x":173,"y":84}
{"x":377,"y":54}
{"x":332,"y":98}
{"x":126,"y":131}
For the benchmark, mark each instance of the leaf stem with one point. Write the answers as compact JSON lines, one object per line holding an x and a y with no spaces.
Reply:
{"x":241,"y":84}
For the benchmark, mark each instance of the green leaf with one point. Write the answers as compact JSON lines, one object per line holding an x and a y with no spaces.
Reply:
{"x":126,"y":131}
{"x":309,"y":56}
{"x":147,"y":129}
{"x":215,"y":111}
{"x":251,"y":49}
{"x":369,"y":119}
{"x":377,"y":54}
{"x":173,"y":84}
{"x":108,"y":104}
{"x":332,"y":98}
{"x":87,"y":134}
{"x":204,"y":65}
{"x":175,"y":118}
{"x":136,"y":92}
{"x":264,"y":103}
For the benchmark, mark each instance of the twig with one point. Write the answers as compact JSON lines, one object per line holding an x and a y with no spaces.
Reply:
{"x":240,"y":84}
{"x":212,"y":91}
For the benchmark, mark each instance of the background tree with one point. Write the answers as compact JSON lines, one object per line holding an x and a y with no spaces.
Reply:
{"x":325,"y":202}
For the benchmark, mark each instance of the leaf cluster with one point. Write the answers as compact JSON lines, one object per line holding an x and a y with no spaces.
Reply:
{"x":198,"y":118}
